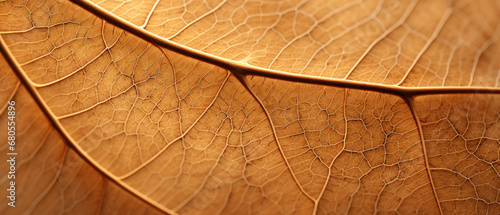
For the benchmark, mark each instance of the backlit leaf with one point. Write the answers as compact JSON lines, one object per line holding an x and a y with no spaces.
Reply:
{"x":252,"y":107}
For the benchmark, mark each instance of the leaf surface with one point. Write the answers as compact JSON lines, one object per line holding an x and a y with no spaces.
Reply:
{"x":51,"y":178}
{"x":410,"y":43}
{"x":227,"y":107}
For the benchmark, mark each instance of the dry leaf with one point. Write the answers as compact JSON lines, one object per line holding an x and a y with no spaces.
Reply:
{"x":255,"y":107}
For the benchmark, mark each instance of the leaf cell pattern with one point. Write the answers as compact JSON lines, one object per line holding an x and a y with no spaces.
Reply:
{"x":257,"y":107}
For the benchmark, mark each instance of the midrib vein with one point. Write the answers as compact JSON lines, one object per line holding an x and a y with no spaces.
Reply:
{"x":246,"y":69}
{"x":237,"y":68}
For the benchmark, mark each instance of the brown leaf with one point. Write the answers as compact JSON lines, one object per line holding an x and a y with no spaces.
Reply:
{"x":50,"y":177}
{"x":228,"y":107}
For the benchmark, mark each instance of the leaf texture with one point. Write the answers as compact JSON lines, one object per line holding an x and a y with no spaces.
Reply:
{"x":51,"y":178}
{"x":462,"y":139}
{"x":250,"y":107}
{"x":410,"y":43}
